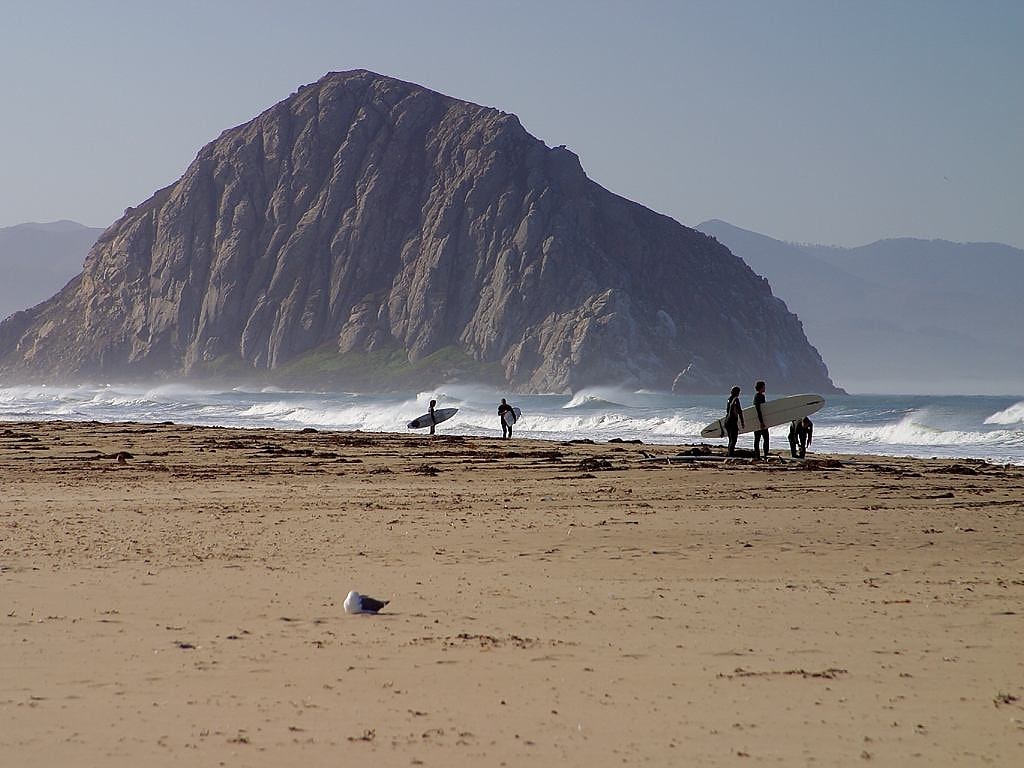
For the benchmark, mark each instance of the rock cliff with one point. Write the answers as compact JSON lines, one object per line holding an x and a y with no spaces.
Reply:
{"x":365,"y":226}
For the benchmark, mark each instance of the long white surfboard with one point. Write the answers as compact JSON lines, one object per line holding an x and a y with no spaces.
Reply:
{"x":442,"y":414}
{"x":775,"y":412}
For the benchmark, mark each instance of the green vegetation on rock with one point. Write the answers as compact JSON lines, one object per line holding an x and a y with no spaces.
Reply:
{"x":381,"y":370}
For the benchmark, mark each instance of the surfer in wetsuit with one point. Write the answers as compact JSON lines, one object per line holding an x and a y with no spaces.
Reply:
{"x":733,"y":419}
{"x":506,"y":429}
{"x":800,"y":431}
{"x":433,"y":421}
{"x":762,"y":433}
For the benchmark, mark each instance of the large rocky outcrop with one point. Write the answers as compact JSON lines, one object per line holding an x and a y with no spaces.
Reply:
{"x":365,"y":214}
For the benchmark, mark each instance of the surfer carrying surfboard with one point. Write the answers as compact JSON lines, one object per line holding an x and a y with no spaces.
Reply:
{"x":733,"y":419}
{"x":759,"y":399}
{"x":506,"y":421}
{"x":432,"y":417}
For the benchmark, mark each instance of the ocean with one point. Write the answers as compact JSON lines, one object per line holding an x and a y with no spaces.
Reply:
{"x":976,"y":426}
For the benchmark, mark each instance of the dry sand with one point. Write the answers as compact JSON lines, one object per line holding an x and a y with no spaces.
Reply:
{"x":551,"y":604}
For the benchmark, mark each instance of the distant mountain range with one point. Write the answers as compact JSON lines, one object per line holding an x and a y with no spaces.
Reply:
{"x":900,"y":315}
{"x":369,"y":233}
{"x":37,"y":260}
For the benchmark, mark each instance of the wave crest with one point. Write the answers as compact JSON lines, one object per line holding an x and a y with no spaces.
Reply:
{"x":1012,"y":415}
{"x":912,"y":430}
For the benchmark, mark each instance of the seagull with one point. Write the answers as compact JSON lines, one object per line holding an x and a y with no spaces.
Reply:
{"x":356,"y":603}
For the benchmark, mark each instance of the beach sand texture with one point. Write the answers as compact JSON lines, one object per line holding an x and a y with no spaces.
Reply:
{"x":551,"y":604}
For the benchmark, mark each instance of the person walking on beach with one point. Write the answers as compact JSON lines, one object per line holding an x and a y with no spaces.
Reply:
{"x":733,"y":419}
{"x":506,"y":428}
{"x":800,"y":431}
{"x":762,"y":433}
{"x":430,"y":411}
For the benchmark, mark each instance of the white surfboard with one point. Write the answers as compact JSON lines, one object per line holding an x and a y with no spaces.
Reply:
{"x":775,"y":412}
{"x":511,"y":417}
{"x":442,"y":414}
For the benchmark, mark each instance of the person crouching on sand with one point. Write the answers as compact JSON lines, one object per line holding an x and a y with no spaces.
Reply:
{"x":800,"y":431}
{"x":733,"y":419}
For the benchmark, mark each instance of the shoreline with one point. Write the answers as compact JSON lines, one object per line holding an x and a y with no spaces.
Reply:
{"x":715,"y":448}
{"x":549,"y":602}
{"x":920,"y":426}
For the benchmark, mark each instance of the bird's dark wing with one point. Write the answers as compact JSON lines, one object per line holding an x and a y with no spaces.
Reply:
{"x":371,"y":605}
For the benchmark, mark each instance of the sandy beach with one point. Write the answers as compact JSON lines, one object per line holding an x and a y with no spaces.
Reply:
{"x":172,"y":595}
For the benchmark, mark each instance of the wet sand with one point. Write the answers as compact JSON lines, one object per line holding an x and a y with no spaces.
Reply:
{"x":550,"y":603}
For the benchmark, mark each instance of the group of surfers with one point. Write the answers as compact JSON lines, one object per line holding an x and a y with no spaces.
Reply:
{"x":800,"y":430}
{"x":503,"y":408}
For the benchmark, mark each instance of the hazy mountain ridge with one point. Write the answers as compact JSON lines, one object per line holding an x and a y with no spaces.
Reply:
{"x":371,"y":220}
{"x":900,"y":314}
{"x":37,"y":259}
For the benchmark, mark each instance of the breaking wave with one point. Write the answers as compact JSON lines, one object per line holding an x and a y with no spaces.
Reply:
{"x":1012,"y":415}
{"x":912,"y":430}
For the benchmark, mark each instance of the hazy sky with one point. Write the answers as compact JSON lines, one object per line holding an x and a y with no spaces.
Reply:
{"x":819,"y":121}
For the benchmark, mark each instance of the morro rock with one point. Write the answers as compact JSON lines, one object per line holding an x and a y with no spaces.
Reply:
{"x":369,"y":232}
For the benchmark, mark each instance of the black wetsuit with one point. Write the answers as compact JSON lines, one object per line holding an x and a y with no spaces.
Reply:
{"x":760,"y":434}
{"x":733,"y":417}
{"x":506,"y":429}
{"x":800,"y":432}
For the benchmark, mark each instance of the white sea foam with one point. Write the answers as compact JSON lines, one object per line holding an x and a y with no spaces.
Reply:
{"x":1012,"y":415}
{"x":911,"y":430}
{"x":366,"y":416}
{"x":603,"y":425}
{"x":20,"y":394}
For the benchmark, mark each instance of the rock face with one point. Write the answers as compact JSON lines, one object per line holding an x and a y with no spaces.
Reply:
{"x":364,"y":214}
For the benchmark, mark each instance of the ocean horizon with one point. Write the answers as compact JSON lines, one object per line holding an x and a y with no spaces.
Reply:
{"x":983,"y":427}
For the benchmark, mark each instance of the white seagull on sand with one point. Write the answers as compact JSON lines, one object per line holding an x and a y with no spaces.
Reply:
{"x":356,"y":603}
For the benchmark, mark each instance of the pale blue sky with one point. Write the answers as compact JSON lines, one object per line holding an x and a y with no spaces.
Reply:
{"x":831,"y":122}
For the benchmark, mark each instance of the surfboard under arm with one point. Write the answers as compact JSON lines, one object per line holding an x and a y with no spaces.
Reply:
{"x":775,"y":412}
